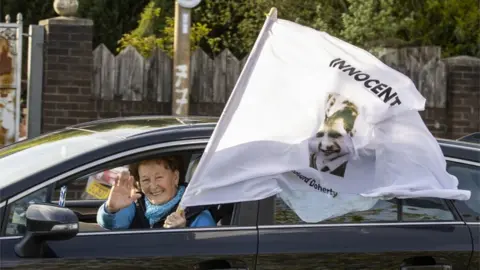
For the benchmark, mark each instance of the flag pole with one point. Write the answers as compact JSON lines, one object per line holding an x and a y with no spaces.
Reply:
{"x":242,"y":79}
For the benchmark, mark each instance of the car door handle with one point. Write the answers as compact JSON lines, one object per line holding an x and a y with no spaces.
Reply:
{"x":219,"y":265}
{"x":235,"y":268}
{"x":427,"y":267}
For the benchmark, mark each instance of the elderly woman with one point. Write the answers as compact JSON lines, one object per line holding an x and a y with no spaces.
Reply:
{"x":156,"y":205}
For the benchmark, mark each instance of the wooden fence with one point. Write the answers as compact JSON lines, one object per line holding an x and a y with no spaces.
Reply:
{"x":425,"y":67}
{"x":130,"y":76}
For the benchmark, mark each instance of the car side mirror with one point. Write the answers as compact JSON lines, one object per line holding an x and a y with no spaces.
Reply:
{"x":46,"y":222}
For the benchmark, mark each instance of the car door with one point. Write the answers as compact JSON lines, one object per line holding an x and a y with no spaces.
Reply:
{"x":395,"y":234}
{"x":191,"y":248}
{"x":468,"y":174}
{"x":231,"y":244}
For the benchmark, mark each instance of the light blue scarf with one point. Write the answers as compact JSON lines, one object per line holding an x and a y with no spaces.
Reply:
{"x":155,"y":212}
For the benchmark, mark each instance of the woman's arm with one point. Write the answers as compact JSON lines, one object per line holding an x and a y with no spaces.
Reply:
{"x":113,"y":221}
{"x":204,"y":219}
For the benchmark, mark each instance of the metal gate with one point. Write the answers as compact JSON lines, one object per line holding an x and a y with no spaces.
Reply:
{"x":11,"y":36}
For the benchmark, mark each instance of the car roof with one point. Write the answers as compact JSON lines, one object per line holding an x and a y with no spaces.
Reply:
{"x":473,"y":138}
{"x":457,"y":143}
{"x":460,"y":150}
{"x":142,"y":124}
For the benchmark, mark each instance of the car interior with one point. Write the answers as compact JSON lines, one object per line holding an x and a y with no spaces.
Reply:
{"x":86,"y":209}
{"x":222,"y":213}
{"x":470,"y":181}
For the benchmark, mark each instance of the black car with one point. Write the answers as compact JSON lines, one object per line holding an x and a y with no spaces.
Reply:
{"x":473,"y":138}
{"x":426,"y":233}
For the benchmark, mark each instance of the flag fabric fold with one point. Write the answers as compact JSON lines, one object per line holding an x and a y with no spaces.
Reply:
{"x":324,"y":125}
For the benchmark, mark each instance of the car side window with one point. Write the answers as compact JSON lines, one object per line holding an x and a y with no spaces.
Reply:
{"x":468,"y":176}
{"x":411,"y":210}
{"x":83,"y":196}
{"x":86,"y":194}
{"x":94,"y":186}
{"x":16,"y":222}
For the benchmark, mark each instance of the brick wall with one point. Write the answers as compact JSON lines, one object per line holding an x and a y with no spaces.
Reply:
{"x":463,"y":109}
{"x":68,"y":58}
{"x":436,"y":121}
{"x":461,"y":116}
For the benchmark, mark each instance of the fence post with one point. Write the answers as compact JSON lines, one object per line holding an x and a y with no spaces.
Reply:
{"x":35,"y":80}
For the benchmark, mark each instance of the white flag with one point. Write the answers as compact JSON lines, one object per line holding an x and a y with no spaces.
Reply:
{"x":325,"y":125}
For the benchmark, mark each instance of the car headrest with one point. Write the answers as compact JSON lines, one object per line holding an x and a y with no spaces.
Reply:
{"x":191,"y":168}
{"x":222,"y":212}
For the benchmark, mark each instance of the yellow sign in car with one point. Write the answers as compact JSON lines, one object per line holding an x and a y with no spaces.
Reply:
{"x":98,"y":190}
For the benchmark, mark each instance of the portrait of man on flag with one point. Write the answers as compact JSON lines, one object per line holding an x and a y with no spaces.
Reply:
{"x":329,"y":151}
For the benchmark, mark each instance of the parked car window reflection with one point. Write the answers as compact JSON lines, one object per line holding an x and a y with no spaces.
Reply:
{"x":411,"y":210}
{"x":469,"y":179}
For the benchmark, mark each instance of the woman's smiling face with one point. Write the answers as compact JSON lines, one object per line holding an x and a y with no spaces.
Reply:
{"x":157,"y":181}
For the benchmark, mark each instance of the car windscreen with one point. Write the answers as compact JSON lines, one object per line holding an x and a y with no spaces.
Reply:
{"x":28,"y":157}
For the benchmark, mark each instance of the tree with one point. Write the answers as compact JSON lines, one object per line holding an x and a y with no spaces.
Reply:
{"x":372,"y":24}
{"x":376,"y":23}
{"x":302,"y":12}
{"x":451,"y":24}
{"x":150,"y":35}
{"x":112,"y":18}
{"x":233,"y":25}
{"x":216,"y":25}
{"x":328,"y":17}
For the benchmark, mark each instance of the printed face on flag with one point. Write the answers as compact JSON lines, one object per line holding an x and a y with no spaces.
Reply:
{"x":328,"y":148}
